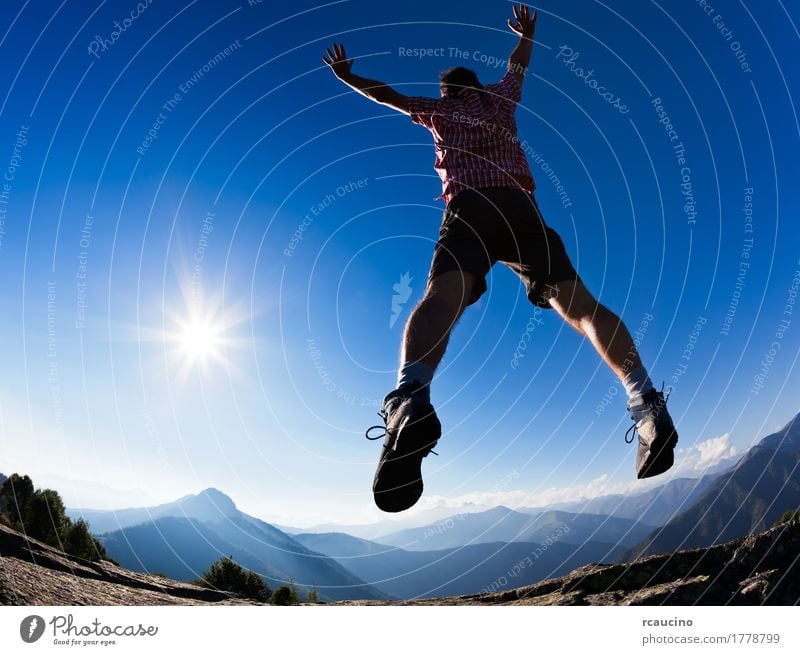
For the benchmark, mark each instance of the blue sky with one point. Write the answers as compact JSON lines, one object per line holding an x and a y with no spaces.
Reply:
{"x":161,"y":170}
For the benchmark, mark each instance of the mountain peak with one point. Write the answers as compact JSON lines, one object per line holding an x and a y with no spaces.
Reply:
{"x":786,"y":440}
{"x":215,"y":494}
{"x":208,"y":505}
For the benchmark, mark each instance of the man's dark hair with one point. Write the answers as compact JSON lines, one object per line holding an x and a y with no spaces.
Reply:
{"x":453,"y":80}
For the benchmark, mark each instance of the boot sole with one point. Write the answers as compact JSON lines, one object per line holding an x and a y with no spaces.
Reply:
{"x":398,"y":479}
{"x":660,"y":458}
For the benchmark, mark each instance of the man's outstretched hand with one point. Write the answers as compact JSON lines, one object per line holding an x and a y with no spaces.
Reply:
{"x":337,"y":60}
{"x":523,"y":24}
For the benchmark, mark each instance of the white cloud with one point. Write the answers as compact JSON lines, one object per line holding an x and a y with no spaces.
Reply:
{"x":706,"y":456}
{"x":518,"y":498}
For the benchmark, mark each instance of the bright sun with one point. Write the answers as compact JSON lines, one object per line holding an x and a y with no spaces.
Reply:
{"x":202,"y":337}
{"x":199,"y":339}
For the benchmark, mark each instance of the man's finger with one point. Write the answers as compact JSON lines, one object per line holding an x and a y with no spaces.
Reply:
{"x":516,"y":12}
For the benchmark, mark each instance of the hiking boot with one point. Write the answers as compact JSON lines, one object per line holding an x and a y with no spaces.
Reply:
{"x":657,"y":435}
{"x":411,"y":431}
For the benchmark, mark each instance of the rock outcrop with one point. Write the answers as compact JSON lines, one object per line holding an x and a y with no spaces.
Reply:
{"x":33,"y":573}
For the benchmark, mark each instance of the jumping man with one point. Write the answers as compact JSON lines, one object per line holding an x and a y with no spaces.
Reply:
{"x":491,"y":216}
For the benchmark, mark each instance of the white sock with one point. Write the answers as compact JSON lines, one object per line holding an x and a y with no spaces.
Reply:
{"x":637,"y":383}
{"x":419,"y":371}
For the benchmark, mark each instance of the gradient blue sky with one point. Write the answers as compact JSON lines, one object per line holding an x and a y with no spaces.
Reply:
{"x":265,"y":136}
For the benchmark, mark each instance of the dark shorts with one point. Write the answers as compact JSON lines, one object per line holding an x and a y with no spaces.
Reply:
{"x":483,"y":226}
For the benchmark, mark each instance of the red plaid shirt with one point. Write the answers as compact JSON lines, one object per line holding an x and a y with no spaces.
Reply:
{"x":475,"y":136}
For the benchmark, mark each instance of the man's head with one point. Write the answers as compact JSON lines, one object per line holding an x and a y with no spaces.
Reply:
{"x":453,"y":80}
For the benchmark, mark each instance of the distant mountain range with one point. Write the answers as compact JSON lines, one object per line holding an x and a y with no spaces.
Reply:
{"x":502,"y":524}
{"x":747,"y":499}
{"x":183,"y":538}
{"x":654,"y":507}
{"x":476,"y":568}
{"x":388,"y":525}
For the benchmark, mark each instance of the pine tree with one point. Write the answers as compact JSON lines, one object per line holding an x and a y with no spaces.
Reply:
{"x":284,"y":595}
{"x":40,"y":514}
{"x":79,"y":541}
{"x":226,"y":575}
{"x":15,"y":494}
{"x":45,"y":518}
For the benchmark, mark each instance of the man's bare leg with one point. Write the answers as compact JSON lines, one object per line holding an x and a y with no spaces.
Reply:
{"x":412,"y":428}
{"x":611,"y":339}
{"x":606,"y":332}
{"x":428,"y":328}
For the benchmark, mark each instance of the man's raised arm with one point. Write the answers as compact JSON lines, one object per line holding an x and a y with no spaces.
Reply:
{"x":378,"y":91}
{"x":525,"y":26}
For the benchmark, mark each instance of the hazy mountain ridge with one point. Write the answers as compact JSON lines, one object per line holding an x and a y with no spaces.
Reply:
{"x":502,"y":524}
{"x":387,"y":525}
{"x":209,"y":504}
{"x":465,"y":569}
{"x":654,"y":507}
{"x":195,"y":531}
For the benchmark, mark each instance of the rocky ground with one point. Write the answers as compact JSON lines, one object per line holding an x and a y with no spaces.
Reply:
{"x":762,"y":569}
{"x":32,"y":573}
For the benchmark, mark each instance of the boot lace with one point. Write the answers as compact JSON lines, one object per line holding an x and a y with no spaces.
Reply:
{"x":385,"y":416}
{"x":375,"y":427}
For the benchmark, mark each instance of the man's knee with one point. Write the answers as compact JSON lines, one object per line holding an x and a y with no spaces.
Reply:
{"x":454,"y":288}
